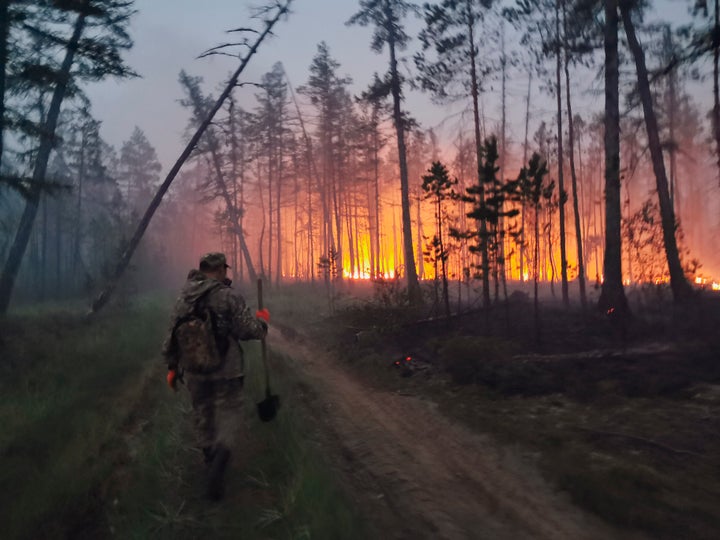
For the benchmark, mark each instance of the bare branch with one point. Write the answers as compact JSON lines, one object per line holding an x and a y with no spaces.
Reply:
{"x":217,"y":53}
{"x":257,"y":85}
{"x":101,"y":300}
{"x":222,"y":46}
{"x":242,"y":29}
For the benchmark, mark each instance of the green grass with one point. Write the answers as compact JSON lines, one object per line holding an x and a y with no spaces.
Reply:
{"x":277,"y":483}
{"x":94,"y":445}
{"x":65,"y":387}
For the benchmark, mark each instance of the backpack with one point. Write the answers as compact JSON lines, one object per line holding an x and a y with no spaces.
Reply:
{"x":195,"y":340}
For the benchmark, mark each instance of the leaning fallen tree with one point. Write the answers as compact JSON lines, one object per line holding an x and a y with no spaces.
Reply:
{"x":279,"y":9}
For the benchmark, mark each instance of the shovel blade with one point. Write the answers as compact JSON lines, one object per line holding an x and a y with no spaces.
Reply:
{"x":268,"y":407}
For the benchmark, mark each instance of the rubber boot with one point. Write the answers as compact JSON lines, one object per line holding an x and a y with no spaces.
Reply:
{"x":216,"y":473}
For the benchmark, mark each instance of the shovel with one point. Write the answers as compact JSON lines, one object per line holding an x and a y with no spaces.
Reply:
{"x":267,"y":408}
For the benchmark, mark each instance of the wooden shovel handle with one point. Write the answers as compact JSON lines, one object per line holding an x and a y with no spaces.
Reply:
{"x":263,"y":345}
{"x":260,"y":293}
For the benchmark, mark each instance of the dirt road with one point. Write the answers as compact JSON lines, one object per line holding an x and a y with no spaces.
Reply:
{"x":416,"y":474}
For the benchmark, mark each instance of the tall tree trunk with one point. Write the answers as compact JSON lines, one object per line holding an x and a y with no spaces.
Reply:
{"x":337,"y":210}
{"x":104,"y":296}
{"x":679,"y":284}
{"x":536,"y":273}
{"x":573,"y":173}
{"x":58,"y":246}
{"x":44,"y":252}
{"x":464,"y":258}
{"x":329,"y":235}
{"x":78,"y":206}
{"x":716,"y":85}
{"x":414,"y":294}
{"x":376,"y":174}
{"x":261,"y":236}
{"x":278,"y":223}
{"x":550,"y":254}
{"x":503,"y":142}
{"x":312,"y":173}
{"x":443,"y":262}
{"x":296,"y":207}
{"x":299,"y":239}
{"x":585,"y":192}
{"x":372,"y":232}
{"x":561,"y":159}
{"x":215,"y":164}
{"x":32,"y":202}
{"x":351,"y":244}
{"x":419,"y":234}
{"x":234,"y":212}
{"x":524,"y":164}
{"x":4,"y":32}
{"x":311,"y":243}
{"x":270,"y":171}
{"x":671,"y":111}
{"x":612,"y":295}
{"x":241,"y":206}
{"x":234,"y":171}
{"x":475,"y":90}
{"x":396,"y":247}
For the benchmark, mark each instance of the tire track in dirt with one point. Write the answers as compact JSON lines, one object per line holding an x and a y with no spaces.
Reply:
{"x":416,"y":474}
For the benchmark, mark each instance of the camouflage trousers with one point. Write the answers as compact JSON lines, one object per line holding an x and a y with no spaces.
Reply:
{"x":217,"y":411}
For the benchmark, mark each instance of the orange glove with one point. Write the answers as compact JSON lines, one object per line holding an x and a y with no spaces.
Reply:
{"x":263,"y":314}
{"x":172,"y":379}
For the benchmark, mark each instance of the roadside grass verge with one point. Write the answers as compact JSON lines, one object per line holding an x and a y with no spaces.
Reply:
{"x":66,"y":386}
{"x":277,"y":485}
{"x":94,"y":445}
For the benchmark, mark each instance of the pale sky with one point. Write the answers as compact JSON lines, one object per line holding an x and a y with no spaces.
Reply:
{"x":170,"y":34}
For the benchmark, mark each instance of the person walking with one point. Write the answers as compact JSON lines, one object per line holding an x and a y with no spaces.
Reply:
{"x":203,"y":350}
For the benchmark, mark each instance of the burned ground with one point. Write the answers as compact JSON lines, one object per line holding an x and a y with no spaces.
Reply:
{"x":626,"y":426}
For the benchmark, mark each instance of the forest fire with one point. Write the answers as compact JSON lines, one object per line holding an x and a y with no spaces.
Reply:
{"x":309,"y":184}
{"x":366,"y":275}
{"x":707,"y":283}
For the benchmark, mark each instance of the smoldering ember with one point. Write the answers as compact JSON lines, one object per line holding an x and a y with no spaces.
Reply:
{"x":360,"y":269}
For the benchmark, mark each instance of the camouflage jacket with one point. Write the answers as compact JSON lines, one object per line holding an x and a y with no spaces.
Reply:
{"x":232,"y":321}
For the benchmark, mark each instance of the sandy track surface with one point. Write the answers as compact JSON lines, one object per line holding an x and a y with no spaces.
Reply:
{"x":417,"y":474}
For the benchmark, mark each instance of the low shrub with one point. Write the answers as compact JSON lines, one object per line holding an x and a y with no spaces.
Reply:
{"x":473,"y":360}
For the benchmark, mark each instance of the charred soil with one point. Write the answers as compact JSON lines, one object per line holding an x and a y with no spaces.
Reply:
{"x":470,"y":429}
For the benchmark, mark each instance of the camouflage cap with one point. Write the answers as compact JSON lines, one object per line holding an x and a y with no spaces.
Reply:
{"x":213,"y":261}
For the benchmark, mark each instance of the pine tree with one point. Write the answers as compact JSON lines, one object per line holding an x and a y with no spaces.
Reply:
{"x":4,"y":35}
{"x":210,"y":145}
{"x":270,"y":16}
{"x":271,"y":130}
{"x":94,"y":57}
{"x":386,"y":16}
{"x":488,"y":198}
{"x":533,"y":188}
{"x":439,"y":188}
{"x":373,"y":109}
{"x":573,"y":171}
{"x":612,"y":296}
{"x":326,"y":90}
{"x":451,"y":34}
{"x":138,"y":171}
{"x":678,"y":282}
